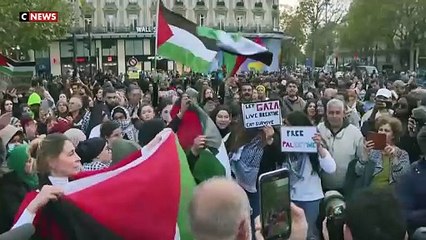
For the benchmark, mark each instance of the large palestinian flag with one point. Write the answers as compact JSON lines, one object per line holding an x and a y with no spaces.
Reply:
{"x":237,"y":45}
{"x":177,"y":40}
{"x":214,"y":160}
{"x":14,"y":68}
{"x":146,"y":198}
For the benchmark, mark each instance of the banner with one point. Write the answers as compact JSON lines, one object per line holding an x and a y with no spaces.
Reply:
{"x":260,"y":114}
{"x":298,"y":139}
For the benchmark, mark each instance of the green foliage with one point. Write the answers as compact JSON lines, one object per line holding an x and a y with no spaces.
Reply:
{"x":320,"y":19}
{"x":32,"y":35}
{"x":389,"y":21}
{"x":293,"y":26}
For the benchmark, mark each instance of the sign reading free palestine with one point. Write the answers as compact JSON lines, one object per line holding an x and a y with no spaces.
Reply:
{"x":298,"y":139}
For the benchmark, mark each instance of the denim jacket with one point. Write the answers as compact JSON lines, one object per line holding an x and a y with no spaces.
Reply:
{"x":400,"y":164}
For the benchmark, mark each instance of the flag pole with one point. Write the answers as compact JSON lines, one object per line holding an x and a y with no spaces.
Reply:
{"x":156,"y":35}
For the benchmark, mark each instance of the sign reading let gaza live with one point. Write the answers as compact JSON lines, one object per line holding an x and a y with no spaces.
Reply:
{"x":260,"y":114}
{"x":298,"y":139}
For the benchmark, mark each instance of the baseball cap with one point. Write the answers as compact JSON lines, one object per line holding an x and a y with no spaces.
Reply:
{"x":383,"y":92}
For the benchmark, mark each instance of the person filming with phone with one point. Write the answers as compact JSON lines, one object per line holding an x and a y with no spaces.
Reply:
{"x":220,"y":210}
{"x":390,"y":162}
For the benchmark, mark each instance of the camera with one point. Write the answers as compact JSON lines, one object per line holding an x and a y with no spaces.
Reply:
{"x":335,"y":206}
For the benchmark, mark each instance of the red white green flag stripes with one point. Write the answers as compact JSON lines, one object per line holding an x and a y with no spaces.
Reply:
{"x":177,"y":40}
{"x":13,"y":68}
{"x":147,"y":198}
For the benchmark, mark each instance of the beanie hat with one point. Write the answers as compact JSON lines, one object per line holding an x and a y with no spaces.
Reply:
{"x":16,"y":161}
{"x":89,"y":149}
{"x":33,"y":99}
{"x":149,"y":130}
{"x":75,"y":135}
{"x":192,"y":93}
{"x":419,"y":113}
{"x":7,"y":133}
{"x":61,"y":126}
{"x":122,"y":148}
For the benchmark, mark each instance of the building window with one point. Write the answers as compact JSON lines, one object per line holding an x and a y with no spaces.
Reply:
{"x":221,"y":21}
{"x":109,"y":47}
{"x":110,"y":19}
{"x":240,"y":20}
{"x":154,"y":20}
{"x":41,"y":54}
{"x":66,"y":49}
{"x":134,"y":47}
{"x":258,"y":22}
{"x":201,"y":20}
{"x":133,"y":22}
{"x":274,"y":23}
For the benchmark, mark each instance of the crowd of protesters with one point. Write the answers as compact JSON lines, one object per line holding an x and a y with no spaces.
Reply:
{"x":102,"y":120}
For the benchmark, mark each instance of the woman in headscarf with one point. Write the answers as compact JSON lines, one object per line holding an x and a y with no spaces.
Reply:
{"x":121,"y":116}
{"x":16,"y":184}
{"x":222,"y":117}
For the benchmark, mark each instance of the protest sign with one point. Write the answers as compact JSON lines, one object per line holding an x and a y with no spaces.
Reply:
{"x":260,"y":114}
{"x":298,"y":139}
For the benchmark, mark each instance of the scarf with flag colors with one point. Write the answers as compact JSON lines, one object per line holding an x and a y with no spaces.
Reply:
{"x":145,"y":197}
{"x":12,"y":68}
{"x":214,"y":160}
{"x":177,"y":40}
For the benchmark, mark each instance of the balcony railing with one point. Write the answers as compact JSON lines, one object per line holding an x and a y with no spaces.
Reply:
{"x":131,"y":29}
{"x":100,"y":30}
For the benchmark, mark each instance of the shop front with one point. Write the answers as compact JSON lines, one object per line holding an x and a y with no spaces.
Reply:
{"x":110,"y":64}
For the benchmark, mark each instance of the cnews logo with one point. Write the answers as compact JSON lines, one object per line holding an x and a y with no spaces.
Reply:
{"x":38,"y":16}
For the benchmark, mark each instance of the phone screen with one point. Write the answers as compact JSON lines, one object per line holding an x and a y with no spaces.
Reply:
{"x":275,"y":204}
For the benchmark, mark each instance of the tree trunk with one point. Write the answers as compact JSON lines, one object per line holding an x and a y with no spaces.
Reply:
{"x":31,"y":56}
{"x":412,"y":56}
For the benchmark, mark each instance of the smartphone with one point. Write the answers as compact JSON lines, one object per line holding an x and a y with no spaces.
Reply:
{"x":275,"y":212}
{"x":379,"y":140}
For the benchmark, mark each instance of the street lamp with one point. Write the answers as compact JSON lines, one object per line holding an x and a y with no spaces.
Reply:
{"x":326,"y":3}
{"x":89,"y":58}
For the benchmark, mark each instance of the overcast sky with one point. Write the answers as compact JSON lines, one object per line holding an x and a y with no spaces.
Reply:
{"x":289,"y":2}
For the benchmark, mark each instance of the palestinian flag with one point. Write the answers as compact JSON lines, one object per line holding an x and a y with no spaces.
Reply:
{"x":177,"y":40}
{"x":235,"y":44}
{"x":214,"y":160}
{"x":147,"y":198}
{"x":14,"y":68}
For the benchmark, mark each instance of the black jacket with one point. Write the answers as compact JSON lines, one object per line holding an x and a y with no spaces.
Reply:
{"x":12,"y":192}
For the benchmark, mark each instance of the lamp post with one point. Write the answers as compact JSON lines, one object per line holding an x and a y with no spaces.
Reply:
{"x":89,"y":58}
{"x":326,"y":2}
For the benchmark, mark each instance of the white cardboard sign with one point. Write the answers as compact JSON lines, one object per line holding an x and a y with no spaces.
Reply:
{"x":260,"y":114}
{"x":298,"y":139}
